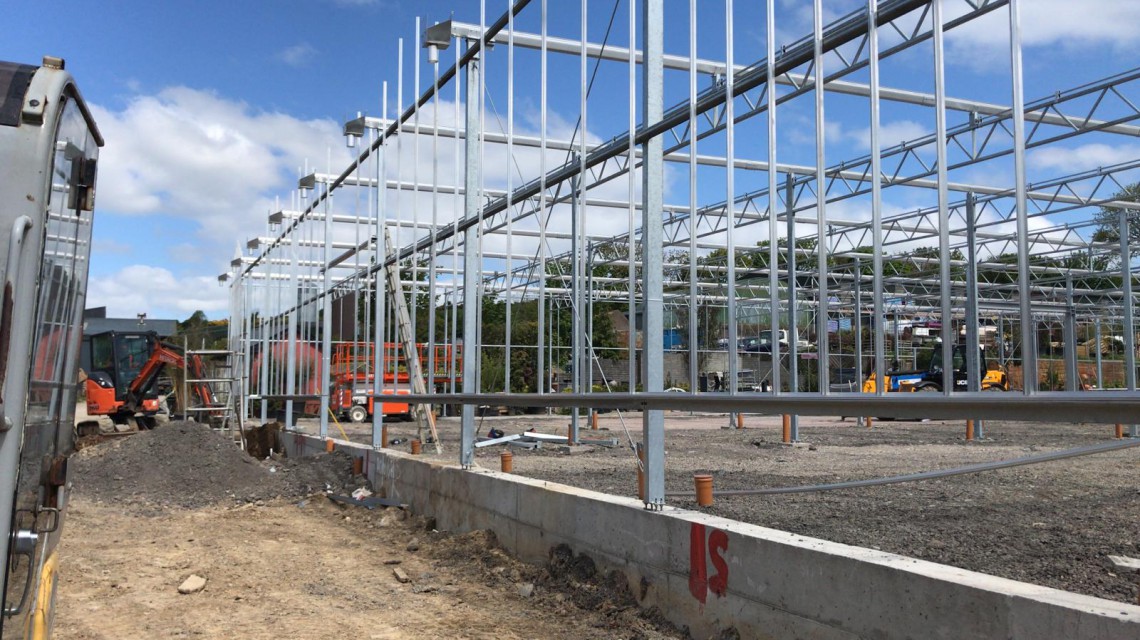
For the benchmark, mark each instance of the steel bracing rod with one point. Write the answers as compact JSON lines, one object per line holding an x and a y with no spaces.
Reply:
{"x":836,"y":35}
{"x":988,"y":265}
{"x":681,"y":129}
{"x":1064,"y":454}
{"x":748,"y":201}
{"x":1104,"y":407}
{"x":848,"y":173}
{"x":849,"y":170}
{"x":681,"y":297}
{"x":856,"y":175}
{"x":963,"y":187}
{"x":450,"y":190}
{"x":1049,"y":191}
{"x":718,"y":69}
{"x":912,"y":281}
{"x":1039,"y":290}
{"x":473,"y":49}
{"x":534,"y":142}
{"x":1051,"y":197}
{"x":804,"y":49}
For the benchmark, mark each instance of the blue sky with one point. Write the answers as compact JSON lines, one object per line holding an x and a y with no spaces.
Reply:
{"x":211,"y":108}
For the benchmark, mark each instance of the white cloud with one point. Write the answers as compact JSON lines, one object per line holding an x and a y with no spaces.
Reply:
{"x":220,"y":163}
{"x":112,"y":246}
{"x":890,"y":134}
{"x":297,"y":55}
{"x":157,"y":292}
{"x":1051,"y":22}
{"x":193,"y":154}
{"x":1088,"y":156}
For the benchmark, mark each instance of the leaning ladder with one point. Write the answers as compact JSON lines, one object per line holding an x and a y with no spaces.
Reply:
{"x":406,"y":335}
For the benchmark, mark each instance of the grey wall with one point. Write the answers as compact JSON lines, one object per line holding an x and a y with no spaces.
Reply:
{"x":771,"y":584}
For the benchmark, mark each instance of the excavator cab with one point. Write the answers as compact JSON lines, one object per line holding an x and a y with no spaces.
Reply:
{"x":117,"y":359}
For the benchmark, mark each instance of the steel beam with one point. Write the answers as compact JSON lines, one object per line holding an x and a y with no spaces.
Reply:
{"x":652,"y":190}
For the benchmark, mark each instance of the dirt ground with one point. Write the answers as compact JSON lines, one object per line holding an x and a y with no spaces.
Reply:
{"x":281,"y":560}
{"x":1052,"y":524}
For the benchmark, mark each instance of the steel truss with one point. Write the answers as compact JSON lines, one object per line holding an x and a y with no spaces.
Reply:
{"x":807,"y":247}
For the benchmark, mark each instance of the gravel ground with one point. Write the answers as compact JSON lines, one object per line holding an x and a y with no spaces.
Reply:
{"x":1051,"y":524}
{"x":187,"y":465}
{"x":275,"y":558}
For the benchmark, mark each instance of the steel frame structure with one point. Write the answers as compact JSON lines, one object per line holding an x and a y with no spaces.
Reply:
{"x":502,"y":215}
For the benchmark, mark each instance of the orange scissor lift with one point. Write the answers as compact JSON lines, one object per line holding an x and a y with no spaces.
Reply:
{"x":351,"y":366}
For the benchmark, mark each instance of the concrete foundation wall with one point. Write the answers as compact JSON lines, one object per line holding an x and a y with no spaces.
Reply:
{"x":709,"y":573}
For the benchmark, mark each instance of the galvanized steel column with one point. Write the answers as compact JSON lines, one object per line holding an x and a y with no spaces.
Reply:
{"x":858,"y":321}
{"x":1027,"y":324}
{"x":415,"y":288}
{"x":1129,"y":326}
{"x":653,"y":167}
{"x":379,"y":308}
{"x":821,"y":248}
{"x":730,"y":205}
{"x":694,"y":345}
{"x":876,"y":199}
{"x":266,"y":354}
{"x":793,"y":330}
{"x":326,"y":319}
{"x":773,"y":199}
{"x":1099,"y":361}
{"x":974,"y":371}
{"x":291,"y":340}
{"x":471,"y":277}
{"x":542,"y":351}
{"x":943,"y":200}
{"x":433,"y":365}
{"x":1069,"y":333}
{"x":507,"y":270}
{"x":576,"y":285}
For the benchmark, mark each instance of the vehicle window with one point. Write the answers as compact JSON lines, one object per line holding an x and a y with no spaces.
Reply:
{"x":133,"y":352}
{"x":67,"y":247}
{"x":959,"y":359}
{"x":102,"y":357}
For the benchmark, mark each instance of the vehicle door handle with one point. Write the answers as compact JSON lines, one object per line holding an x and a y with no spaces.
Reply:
{"x":24,"y":543}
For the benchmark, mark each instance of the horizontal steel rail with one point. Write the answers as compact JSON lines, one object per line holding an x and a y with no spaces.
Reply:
{"x":1108,"y":407}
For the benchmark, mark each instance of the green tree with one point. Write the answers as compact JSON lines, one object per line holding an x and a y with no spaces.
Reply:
{"x":199,"y":330}
{"x":1108,"y":218}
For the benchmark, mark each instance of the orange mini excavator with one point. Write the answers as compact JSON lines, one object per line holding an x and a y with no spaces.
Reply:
{"x":124,"y":369}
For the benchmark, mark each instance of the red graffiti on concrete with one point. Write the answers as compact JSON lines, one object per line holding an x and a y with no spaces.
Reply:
{"x":699,"y":553}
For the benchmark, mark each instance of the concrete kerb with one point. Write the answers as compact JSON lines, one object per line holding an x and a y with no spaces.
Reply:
{"x":709,"y":573}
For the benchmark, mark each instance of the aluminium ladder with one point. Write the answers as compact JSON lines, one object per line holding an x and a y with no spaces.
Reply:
{"x":406,"y":336}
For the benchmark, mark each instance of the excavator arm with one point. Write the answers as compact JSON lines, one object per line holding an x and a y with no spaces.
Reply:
{"x":163,"y":354}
